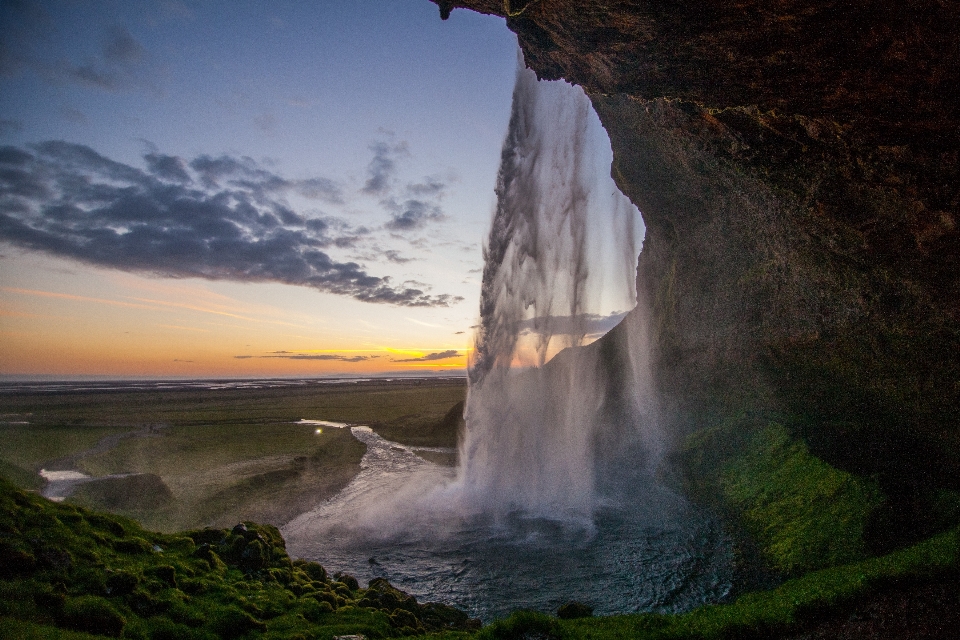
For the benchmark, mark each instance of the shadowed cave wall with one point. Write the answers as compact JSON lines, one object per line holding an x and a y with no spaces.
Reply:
{"x":796,"y":164}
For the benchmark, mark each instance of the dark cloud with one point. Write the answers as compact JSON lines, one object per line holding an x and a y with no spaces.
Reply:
{"x":319,"y":189}
{"x":394,"y":256}
{"x":265,"y":122}
{"x":411,"y":206}
{"x":429,"y":187}
{"x":441,"y":355}
{"x":169,"y":168}
{"x":74,"y":115}
{"x":215,"y":218}
{"x":117,"y":67}
{"x":381,"y":169}
{"x":413,"y":214}
{"x":457,"y":333}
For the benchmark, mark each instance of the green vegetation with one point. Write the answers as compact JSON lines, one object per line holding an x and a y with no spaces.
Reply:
{"x":63,"y":568}
{"x":48,"y":439}
{"x":215,"y":457}
{"x":66,"y":572}
{"x":795,"y":602}
{"x":802,"y":513}
{"x":426,"y":432}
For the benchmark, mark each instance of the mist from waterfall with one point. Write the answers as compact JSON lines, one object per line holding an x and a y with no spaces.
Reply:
{"x":554,"y":497}
{"x":540,"y":432}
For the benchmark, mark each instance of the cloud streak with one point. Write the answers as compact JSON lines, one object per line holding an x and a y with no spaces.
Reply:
{"x":219,"y":218}
{"x":430,"y":357}
{"x":311,"y":356}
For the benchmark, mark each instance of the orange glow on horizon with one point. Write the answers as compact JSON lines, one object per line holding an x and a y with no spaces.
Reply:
{"x":123,"y":333}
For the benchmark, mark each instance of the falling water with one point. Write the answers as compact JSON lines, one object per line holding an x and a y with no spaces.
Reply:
{"x":555,"y":497}
{"x":535,"y":430}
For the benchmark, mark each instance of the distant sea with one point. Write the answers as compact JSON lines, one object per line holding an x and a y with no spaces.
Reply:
{"x":80,"y":386}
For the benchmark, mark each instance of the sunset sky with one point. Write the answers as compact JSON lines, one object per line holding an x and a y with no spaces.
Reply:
{"x":203,"y":189}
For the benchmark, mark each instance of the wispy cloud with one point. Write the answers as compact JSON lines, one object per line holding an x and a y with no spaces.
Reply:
{"x":411,"y":215}
{"x":116,"y":60}
{"x":219,"y":218}
{"x":76,"y":298}
{"x":412,"y":205}
{"x":380,"y":171}
{"x":9,"y":126}
{"x":430,"y":357}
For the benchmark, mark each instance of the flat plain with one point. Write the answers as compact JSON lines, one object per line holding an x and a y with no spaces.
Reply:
{"x":184,"y":458}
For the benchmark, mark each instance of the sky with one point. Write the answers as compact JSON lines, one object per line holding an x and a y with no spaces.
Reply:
{"x":245,"y":189}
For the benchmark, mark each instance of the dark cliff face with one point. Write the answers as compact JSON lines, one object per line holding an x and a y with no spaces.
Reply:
{"x":797,"y":167}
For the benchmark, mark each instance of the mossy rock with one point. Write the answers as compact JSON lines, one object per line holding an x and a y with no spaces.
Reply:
{"x":234,"y":622}
{"x":92,"y":614}
{"x":121,"y":583}
{"x":312,"y":569}
{"x":802,"y":513}
{"x":346,"y":579}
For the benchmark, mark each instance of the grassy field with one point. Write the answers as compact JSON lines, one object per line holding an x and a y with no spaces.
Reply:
{"x":216,"y":457}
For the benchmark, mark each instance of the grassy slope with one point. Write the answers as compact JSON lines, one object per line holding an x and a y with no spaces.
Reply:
{"x":63,"y":567}
{"x":225,"y":455}
{"x":808,"y":521}
{"x":807,"y":518}
{"x":803,"y":514}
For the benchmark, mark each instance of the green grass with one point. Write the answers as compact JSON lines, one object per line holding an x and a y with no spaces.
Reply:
{"x":805,"y":513}
{"x":778,"y":610}
{"x":224,"y":455}
{"x":28,"y":447}
{"x":375,"y":402}
{"x":65,"y":571}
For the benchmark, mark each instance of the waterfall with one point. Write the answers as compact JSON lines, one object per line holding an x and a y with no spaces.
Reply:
{"x":539,"y":430}
{"x":553,"y":499}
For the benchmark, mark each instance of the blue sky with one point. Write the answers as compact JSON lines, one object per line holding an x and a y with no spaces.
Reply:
{"x":358,"y":139}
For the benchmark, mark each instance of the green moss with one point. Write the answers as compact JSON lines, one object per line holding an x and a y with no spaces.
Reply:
{"x":66,"y":572}
{"x":773,"y":612}
{"x":524,"y":624}
{"x":803,"y":513}
{"x":19,"y":476}
{"x":93,"y":614}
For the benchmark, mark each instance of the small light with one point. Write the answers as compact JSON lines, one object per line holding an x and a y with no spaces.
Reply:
{"x":319,"y":431}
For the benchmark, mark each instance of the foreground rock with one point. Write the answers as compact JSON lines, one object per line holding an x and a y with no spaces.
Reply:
{"x":63,"y":567}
